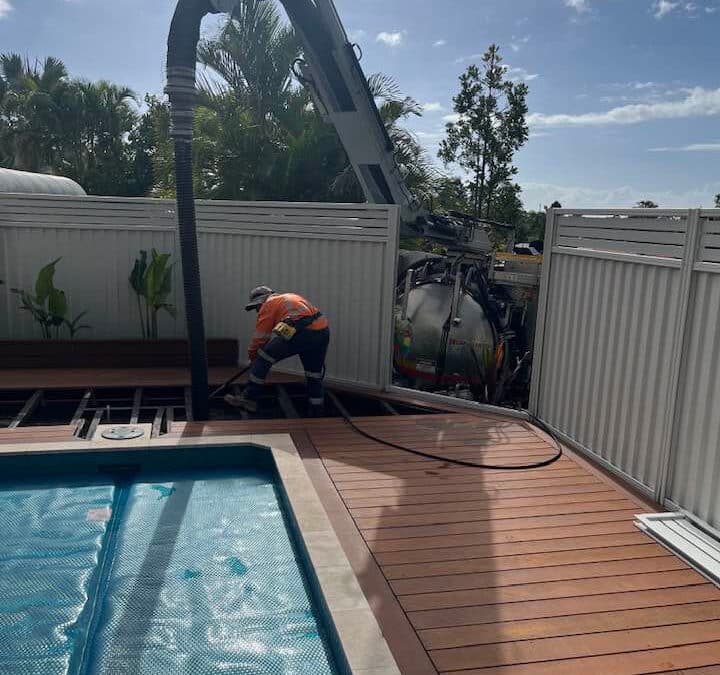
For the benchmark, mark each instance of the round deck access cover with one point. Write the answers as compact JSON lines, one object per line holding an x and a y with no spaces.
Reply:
{"x":122,"y":433}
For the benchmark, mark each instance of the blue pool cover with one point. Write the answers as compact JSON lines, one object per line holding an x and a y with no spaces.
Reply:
{"x":193,"y":576}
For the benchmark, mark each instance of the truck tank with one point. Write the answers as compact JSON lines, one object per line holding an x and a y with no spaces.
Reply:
{"x":437,"y":329}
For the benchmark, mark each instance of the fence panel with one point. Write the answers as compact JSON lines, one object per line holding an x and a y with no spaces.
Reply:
{"x":612,"y":304}
{"x":342,"y":256}
{"x":695,"y":478}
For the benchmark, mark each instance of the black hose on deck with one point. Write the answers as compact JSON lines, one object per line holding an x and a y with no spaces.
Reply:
{"x":181,"y":59}
{"x":461,"y":462}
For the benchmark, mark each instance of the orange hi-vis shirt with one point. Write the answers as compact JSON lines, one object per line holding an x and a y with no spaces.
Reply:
{"x":280,"y":307}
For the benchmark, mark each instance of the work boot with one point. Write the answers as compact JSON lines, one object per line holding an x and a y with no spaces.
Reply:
{"x":239,"y":401}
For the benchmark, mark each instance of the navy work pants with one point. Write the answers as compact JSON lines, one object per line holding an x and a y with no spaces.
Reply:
{"x":310,"y":345}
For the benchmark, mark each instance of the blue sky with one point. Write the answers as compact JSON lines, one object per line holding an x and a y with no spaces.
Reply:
{"x":624,"y":94}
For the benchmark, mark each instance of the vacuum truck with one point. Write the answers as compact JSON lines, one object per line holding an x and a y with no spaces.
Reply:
{"x":465,"y":328}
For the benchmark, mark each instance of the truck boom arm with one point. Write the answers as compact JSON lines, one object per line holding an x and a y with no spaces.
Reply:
{"x":332,"y":73}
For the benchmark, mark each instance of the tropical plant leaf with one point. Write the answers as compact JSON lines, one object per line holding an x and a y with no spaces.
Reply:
{"x":137,"y":276}
{"x":57,"y":306}
{"x":44,"y":284}
{"x":73,"y":326}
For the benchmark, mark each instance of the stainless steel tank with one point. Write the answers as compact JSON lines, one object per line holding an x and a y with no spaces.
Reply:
{"x":428,"y":352}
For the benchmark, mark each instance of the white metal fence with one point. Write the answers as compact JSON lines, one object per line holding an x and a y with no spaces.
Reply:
{"x":341,"y":256}
{"x":627,"y":355}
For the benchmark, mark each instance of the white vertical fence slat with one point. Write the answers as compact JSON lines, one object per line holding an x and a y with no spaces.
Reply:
{"x":627,"y":356}
{"x":342,"y":256}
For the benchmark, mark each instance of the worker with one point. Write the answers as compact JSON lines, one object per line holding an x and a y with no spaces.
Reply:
{"x":287,"y":325}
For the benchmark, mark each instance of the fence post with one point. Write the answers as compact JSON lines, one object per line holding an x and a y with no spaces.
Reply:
{"x":390,"y":266}
{"x":534,"y":404}
{"x":669,"y":435}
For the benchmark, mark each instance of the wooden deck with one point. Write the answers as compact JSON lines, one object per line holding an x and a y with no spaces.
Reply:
{"x":538,"y":572}
{"x":532,"y":572}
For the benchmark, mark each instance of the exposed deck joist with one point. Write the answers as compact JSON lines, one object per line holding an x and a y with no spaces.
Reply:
{"x":27,"y":409}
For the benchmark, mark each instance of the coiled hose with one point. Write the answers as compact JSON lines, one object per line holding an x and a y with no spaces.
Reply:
{"x":462,"y":462}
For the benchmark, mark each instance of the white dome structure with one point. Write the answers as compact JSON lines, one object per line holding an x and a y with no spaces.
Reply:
{"x":12,"y":181}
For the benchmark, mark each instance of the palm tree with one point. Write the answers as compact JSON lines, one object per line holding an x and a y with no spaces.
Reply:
{"x":253,"y":56}
{"x":247,"y":89}
{"x":100,"y":123}
{"x":257,"y":134}
{"x":31,"y":111}
{"x":53,"y":124}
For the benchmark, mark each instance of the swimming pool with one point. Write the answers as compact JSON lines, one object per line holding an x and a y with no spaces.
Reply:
{"x":191,"y":572}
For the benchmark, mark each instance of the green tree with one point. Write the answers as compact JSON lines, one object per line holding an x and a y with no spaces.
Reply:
{"x":490,"y":127}
{"x":717,"y":200}
{"x":505,"y":205}
{"x":257,"y":134}
{"x":246,"y":91}
{"x":143,"y":148}
{"x":33,"y":98}
{"x":450,"y":194}
{"x":53,"y":124}
{"x":646,"y":204}
{"x":531,"y":226}
{"x":106,"y":117}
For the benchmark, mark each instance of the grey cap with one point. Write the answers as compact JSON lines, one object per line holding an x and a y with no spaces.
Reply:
{"x":258,"y":296}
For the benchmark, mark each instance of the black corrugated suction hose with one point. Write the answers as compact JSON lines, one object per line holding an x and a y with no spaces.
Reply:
{"x":181,"y":59}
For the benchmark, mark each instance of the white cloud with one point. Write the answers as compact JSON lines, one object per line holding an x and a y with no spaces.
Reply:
{"x":580,"y":6}
{"x":693,"y":147}
{"x":391,"y":39}
{"x":439,"y":43}
{"x":356,"y":35}
{"x":5,"y":8}
{"x":663,"y":7}
{"x":433,"y":106}
{"x":698,"y":102}
{"x":572,"y":196}
{"x":520,"y":74}
{"x":516,"y":44}
{"x":452,"y":117}
{"x":472,"y":57}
